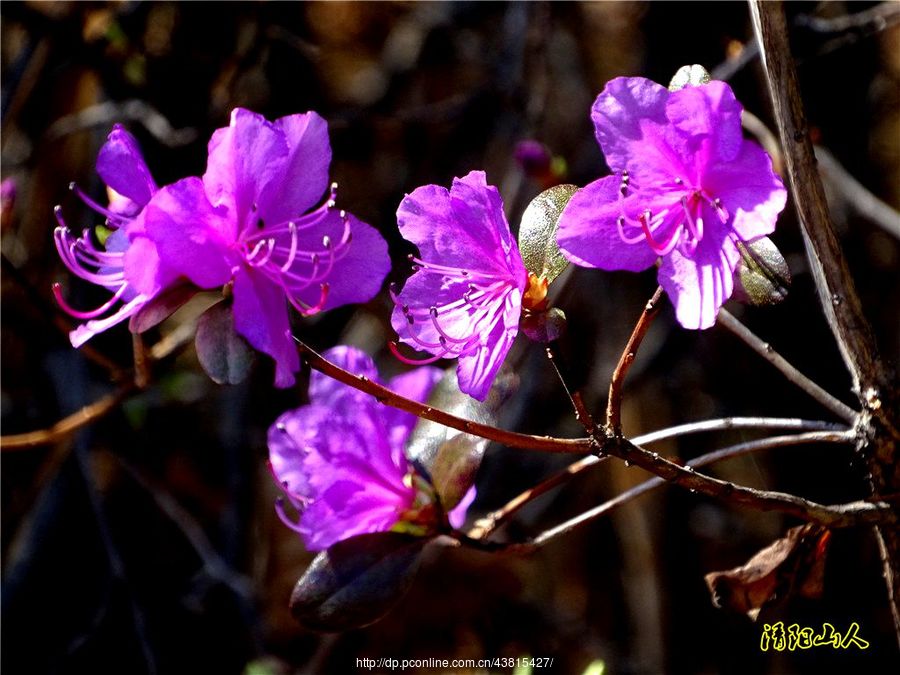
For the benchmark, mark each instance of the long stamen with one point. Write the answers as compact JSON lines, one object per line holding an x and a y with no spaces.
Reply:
{"x":666,"y":247}
{"x":292,"y":228}
{"x":392,"y":345}
{"x":437,"y":326}
{"x":91,"y":314}
{"x":103,"y":211}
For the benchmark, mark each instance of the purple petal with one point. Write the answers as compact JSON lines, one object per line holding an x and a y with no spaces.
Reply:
{"x":711,"y":115}
{"x":121,"y":166}
{"x":751,"y":191}
{"x":189,"y":235}
{"x":326,"y":391}
{"x":243,"y":158}
{"x":588,"y":234}
{"x":476,"y":371}
{"x":415,"y":385}
{"x":464,"y":227}
{"x":698,"y":286}
{"x":457,"y":515}
{"x":624,"y":114}
{"x":260,"y":315}
{"x":303,"y":178}
{"x":358,"y":270}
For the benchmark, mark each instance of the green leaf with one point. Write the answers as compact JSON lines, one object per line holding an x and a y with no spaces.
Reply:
{"x":597,"y":667}
{"x":689,"y":76}
{"x":225,"y":356}
{"x":356,"y":581}
{"x":537,"y":232}
{"x":452,"y":457}
{"x":762,"y":276}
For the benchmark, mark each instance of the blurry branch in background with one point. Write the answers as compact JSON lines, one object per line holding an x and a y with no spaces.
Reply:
{"x":138,"y":379}
{"x":493,"y":520}
{"x":764,"y":349}
{"x":855,"y":194}
{"x":111,"y":112}
{"x":877,"y":423}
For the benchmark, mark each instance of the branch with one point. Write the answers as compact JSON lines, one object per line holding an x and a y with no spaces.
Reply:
{"x":851,"y":509}
{"x":764,"y":349}
{"x":614,"y":403}
{"x":493,"y":520}
{"x":70,"y":424}
{"x":387,"y":397}
{"x":581,"y":412}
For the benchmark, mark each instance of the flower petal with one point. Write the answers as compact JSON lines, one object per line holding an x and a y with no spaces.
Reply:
{"x":698,"y":286}
{"x":457,"y":515}
{"x":326,"y":391}
{"x":189,"y":235}
{"x":244,"y":157}
{"x":260,"y":315}
{"x":711,"y":116}
{"x":751,"y":191}
{"x":624,"y":113}
{"x":589,"y":236}
{"x":303,"y":178}
{"x":416,"y":385}
{"x":122,"y":167}
{"x":476,"y":371}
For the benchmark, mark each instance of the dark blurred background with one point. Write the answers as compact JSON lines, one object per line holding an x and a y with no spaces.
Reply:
{"x":147,"y":542}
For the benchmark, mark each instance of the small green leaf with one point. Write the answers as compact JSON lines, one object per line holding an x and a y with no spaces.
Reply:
{"x":537,"y":232}
{"x":597,"y":667}
{"x":689,"y":76}
{"x":543,"y":327}
{"x":225,"y":356}
{"x":356,"y":581}
{"x":762,"y":276}
{"x":452,"y":457}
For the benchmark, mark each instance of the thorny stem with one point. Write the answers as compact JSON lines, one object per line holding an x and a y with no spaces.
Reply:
{"x":764,"y":349}
{"x":824,"y":432}
{"x":614,"y":404}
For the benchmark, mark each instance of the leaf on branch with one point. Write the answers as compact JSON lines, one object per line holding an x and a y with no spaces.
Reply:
{"x":225,"y":356}
{"x":689,"y":76}
{"x":449,"y":456}
{"x":356,"y":581}
{"x":762,"y":276}
{"x":161,"y":307}
{"x":794,"y":564}
{"x":537,"y":232}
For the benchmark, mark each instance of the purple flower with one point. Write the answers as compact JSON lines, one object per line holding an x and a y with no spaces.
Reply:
{"x":340,"y":460}
{"x":465,"y":299}
{"x":114,"y":263}
{"x":687,"y":187}
{"x":251,"y":222}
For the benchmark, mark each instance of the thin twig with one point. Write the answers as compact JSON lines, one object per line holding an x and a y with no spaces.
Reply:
{"x":614,"y":403}
{"x":484,"y":526}
{"x":68,"y":425}
{"x":581,"y":412}
{"x":856,"y":194}
{"x":870,"y":20}
{"x":702,"y":460}
{"x":387,"y":397}
{"x":764,"y":349}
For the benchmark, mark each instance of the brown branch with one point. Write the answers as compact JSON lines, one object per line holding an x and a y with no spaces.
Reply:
{"x":716,"y":456}
{"x":614,"y":403}
{"x":68,"y":425}
{"x":581,"y":412}
{"x":387,"y":397}
{"x":764,"y":349}
{"x":878,"y":428}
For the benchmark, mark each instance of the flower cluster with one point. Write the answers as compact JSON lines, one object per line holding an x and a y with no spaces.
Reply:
{"x":250,"y":221}
{"x":686,"y":187}
{"x":340,"y":460}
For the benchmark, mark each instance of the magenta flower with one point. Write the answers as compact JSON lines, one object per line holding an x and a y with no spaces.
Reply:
{"x":465,"y":299}
{"x":340,"y":460}
{"x":687,"y":187}
{"x":251,"y":222}
{"x":112,"y":264}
